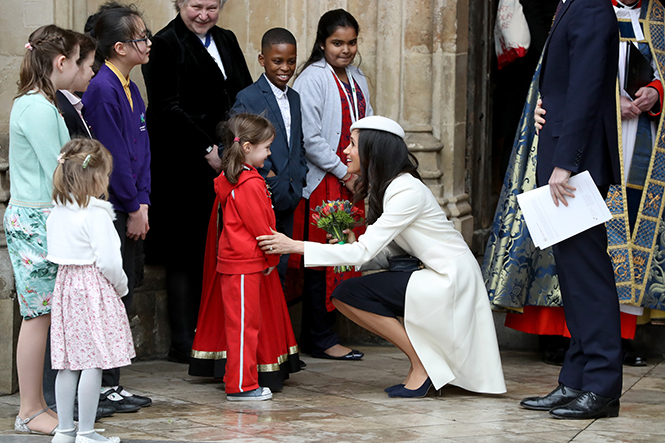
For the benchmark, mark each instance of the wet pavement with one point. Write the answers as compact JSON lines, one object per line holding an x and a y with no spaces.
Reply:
{"x":336,"y":401}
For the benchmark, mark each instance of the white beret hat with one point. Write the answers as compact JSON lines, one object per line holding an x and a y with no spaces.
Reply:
{"x":380,"y":124}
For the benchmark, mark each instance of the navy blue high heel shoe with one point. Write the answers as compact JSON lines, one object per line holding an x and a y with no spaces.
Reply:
{"x":412,"y":393}
{"x":389,"y":389}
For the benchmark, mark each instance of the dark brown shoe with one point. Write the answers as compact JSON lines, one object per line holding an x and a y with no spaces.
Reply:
{"x":558,"y":397}
{"x":588,"y":406}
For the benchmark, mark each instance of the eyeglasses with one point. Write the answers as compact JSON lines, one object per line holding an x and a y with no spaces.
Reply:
{"x":148,"y":36}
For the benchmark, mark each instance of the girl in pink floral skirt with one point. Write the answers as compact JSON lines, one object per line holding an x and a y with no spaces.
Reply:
{"x":89,"y":325}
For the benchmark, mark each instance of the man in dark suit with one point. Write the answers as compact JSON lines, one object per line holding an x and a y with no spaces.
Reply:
{"x":577,"y":85}
{"x":195,"y":71}
{"x":285,"y":170}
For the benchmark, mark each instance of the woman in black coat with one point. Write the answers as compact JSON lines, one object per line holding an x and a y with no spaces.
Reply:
{"x":195,"y":71}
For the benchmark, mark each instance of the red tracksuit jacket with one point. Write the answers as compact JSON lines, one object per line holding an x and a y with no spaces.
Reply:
{"x":247,"y":213}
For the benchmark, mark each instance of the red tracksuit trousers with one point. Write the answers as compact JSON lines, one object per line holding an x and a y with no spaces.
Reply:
{"x":242,"y":318}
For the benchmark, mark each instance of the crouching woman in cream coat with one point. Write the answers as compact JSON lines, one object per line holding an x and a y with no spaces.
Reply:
{"x":448,"y":333}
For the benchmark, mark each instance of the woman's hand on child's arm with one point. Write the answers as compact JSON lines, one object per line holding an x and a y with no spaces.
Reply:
{"x":268,"y":271}
{"x":137,"y":223}
{"x":278,"y":243}
{"x":350,"y":237}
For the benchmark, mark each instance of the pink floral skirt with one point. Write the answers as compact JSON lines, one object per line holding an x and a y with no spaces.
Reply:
{"x":89,"y":325}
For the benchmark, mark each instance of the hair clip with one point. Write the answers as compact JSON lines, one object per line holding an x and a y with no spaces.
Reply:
{"x":86,"y":161}
{"x":28,"y":46}
{"x":61,"y":159}
{"x":236,"y":139}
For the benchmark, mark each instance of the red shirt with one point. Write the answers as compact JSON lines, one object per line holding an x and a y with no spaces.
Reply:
{"x":247,"y":213}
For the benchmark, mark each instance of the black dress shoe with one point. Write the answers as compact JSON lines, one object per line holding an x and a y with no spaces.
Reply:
{"x":587,"y":406}
{"x":560,"y":396}
{"x":353,"y":355}
{"x":554,"y":356}
{"x":102,"y":411}
{"x":632,"y":358}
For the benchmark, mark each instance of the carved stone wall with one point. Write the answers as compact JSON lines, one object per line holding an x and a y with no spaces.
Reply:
{"x":414,"y":53}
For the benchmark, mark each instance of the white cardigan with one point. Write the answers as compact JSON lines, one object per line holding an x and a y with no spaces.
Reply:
{"x":322,"y":120}
{"x":447,"y":312}
{"x":85,"y":236}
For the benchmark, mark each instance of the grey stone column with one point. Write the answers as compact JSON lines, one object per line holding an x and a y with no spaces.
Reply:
{"x":10,"y":320}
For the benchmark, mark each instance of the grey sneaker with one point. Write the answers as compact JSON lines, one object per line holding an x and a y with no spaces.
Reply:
{"x":258,"y":394}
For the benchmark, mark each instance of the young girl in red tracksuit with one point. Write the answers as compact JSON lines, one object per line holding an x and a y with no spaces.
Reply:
{"x":247,"y":213}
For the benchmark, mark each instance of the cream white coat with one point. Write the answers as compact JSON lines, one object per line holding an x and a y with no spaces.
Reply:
{"x":447,"y":312}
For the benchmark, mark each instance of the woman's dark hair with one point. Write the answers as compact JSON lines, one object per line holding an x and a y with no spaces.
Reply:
{"x":239,"y":129}
{"x":328,"y":24}
{"x":383,"y":156}
{"x":44,"y":45}
{"x":87,"y":45}
{"x":114,"y":22}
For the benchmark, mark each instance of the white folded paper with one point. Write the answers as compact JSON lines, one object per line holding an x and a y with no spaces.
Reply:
{"x":549,"y":224}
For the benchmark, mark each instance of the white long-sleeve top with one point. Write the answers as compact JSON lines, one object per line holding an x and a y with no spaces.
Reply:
{"x":85,"y":236}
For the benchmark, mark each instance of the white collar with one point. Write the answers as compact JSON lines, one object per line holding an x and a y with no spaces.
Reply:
{"x":107,"y":206}
{"x":72,"y":98}
{"x":278,"y":92}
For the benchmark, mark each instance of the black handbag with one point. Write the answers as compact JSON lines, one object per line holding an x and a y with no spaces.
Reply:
{"x":404,"y":263}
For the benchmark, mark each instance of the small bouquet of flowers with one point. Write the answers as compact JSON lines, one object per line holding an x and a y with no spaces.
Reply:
{"x":336,"y":216}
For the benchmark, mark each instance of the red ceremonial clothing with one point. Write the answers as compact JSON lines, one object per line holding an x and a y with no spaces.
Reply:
{"x":277,"y":350}
{"x":550,"y":320}
{"x":248,"y":213}
{"x":242,"y":319}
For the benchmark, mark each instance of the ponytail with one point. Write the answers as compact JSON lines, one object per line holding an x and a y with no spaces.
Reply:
{"x":238,"y":130}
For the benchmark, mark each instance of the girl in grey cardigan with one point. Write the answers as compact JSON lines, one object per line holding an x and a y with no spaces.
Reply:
{"x":333,"y":94}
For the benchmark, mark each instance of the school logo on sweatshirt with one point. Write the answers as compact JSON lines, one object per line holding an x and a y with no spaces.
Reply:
{"x":142,"y":127}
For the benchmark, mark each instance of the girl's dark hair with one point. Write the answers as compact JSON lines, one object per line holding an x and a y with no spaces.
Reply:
{"x":83,"y":170}
{"x":328,"y":24}
{"x":46,"y":43}
{"x":383,"y":156}
{"x":114,"y":22}
{"x":87,"y":45}
{"x":239,"y":129}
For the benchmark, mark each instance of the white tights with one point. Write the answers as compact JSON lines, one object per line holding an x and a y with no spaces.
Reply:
{"x":89,"y":385}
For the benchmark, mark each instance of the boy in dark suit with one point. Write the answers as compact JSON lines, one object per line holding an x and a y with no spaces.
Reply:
{"x":285,"y":170}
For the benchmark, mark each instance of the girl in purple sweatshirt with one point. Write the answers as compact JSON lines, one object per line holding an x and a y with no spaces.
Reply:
{"x":116,"y":113}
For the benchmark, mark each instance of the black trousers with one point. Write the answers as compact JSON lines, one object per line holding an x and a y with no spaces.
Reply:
{"x":316,"y":328}
{"x":591,"y":306}
{"x":111,"y":377}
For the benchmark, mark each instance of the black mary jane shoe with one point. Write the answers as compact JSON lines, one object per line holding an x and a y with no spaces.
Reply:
{"x":587,"y":406}
{"x":558,"y":397}
{"x":353,"y":355}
